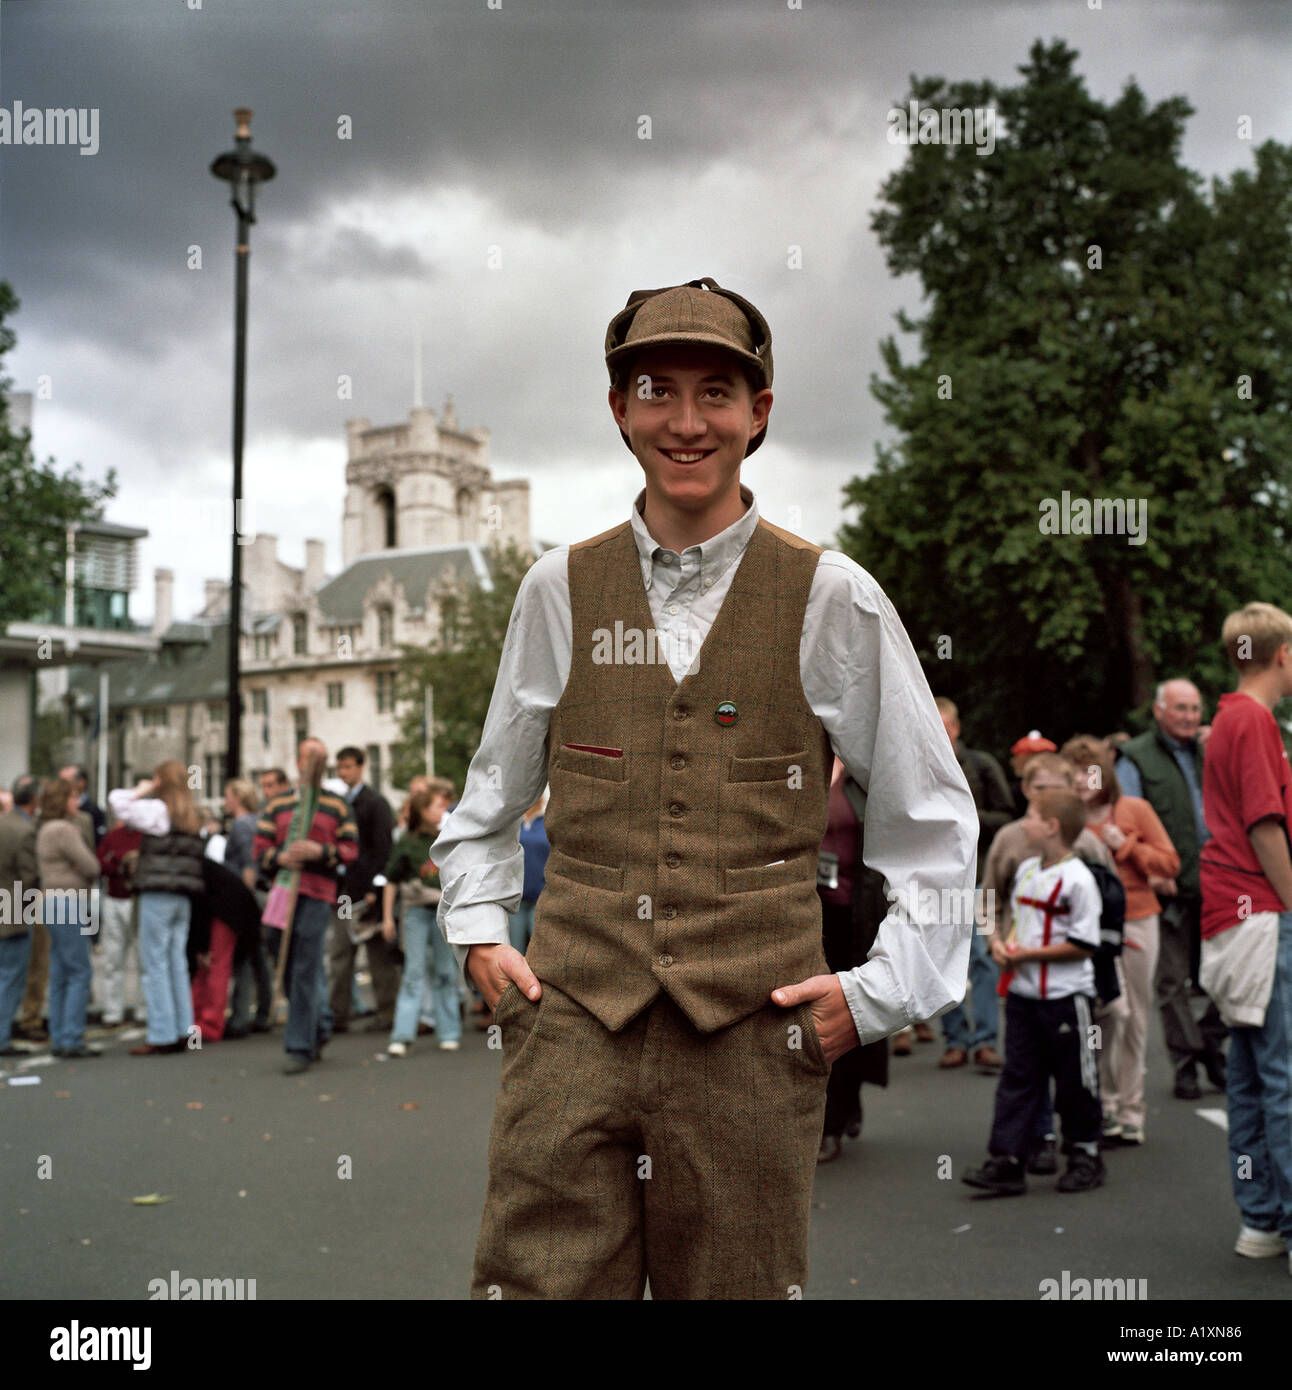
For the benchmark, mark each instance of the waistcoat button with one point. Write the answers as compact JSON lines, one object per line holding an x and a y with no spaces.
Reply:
{"x":677,"y":762}
{"x":670,"y":911}
{"x":666,"y":960}
{"x":672,"y":860}
{"x":675,"y":810}
{"x":681,"y":712}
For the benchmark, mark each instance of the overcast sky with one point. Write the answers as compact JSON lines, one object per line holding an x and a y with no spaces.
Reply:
{"x":517,"y":128}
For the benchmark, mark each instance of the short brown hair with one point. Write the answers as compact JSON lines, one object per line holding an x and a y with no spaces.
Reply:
{"x":1087,"y":751}
{"x":1053,"y":763}
{"x":1253,"y":634}
{"x":55,"y":796}
{"x":1066,"y":808}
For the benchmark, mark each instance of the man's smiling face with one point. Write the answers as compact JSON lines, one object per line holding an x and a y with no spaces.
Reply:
{"x":690,"y":423}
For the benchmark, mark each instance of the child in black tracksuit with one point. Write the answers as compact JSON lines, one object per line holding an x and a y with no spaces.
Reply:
{"x":1048,"y":1031}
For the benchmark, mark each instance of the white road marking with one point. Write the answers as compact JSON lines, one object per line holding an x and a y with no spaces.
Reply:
{"x":1216,"y":1117}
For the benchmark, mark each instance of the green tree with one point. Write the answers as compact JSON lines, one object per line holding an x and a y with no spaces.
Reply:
{"x":1098,"y":323}
{"x":461,"y":665}
{"x":37,"y":504}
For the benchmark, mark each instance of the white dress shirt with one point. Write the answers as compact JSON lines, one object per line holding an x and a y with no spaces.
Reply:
{"x":863,"y":681}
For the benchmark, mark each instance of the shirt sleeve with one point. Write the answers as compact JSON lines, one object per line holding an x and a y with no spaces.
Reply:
{"x":1086,"y":909}
{"x":147,"y":813}
{"x":265,"y":846}
{"x":481,"y":863}
{"x":864,"y":682}
{"x":1254,"y":750}
{"x":82,"y":857}
{"x":1149,"y":847}
{"x":1132,"y":784}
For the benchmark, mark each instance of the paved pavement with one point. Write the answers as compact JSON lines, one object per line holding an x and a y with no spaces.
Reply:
{"x":364,"y":1178}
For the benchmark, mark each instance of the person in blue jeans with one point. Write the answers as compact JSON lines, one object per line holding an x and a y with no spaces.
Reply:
{"x":1260,"y":1113}
{"x":69,"y":878}
{"x":1246,"y":956}
{"x":533,"y":841}
{"x":17,"y":866}
{"x":167,"y":877}
{"x":411,"y":874}
{"x":311,"y":831}
{"x":970,"y":1028}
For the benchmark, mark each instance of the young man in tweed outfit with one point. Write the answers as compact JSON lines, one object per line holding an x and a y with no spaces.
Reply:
{"x":668,"y":1037}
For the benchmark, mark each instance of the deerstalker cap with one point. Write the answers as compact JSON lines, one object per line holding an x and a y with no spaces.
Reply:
{"x":700,"y":311}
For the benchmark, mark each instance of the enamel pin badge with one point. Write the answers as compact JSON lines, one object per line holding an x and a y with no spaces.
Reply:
{"x":726,"y":713}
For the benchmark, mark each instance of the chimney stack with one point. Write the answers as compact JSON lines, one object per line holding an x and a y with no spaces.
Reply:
{"x":217,"y":592}
{"x":163,"y":600}
{"x":314,"y":573}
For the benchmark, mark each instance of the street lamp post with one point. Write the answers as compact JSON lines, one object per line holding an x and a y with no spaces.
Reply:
{"x":242,"y":170}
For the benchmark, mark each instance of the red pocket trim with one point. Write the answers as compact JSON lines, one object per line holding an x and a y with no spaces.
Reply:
{"x":588,"y":748}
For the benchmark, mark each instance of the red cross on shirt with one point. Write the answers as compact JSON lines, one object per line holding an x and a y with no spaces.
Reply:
{"x":1049,"y":906}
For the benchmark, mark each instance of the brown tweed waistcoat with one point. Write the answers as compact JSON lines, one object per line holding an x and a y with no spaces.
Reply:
{"x":659,"y":875}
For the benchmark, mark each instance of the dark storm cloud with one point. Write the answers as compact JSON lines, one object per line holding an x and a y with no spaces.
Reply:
{"x":518,"y":127}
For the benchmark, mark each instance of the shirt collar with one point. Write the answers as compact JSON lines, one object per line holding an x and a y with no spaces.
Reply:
{"x":715,"y":554}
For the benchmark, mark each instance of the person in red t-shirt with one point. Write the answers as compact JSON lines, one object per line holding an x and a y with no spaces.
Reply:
{"x":1246,"y":876}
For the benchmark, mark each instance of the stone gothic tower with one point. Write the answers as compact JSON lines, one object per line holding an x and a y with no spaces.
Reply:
{"x":426,"y":483}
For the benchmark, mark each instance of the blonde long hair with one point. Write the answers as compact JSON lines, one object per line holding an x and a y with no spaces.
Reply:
{"x":171,"y":778}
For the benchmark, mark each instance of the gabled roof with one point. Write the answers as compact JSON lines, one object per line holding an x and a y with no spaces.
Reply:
{"x":193,"y":672}
{"x":341,"y":599}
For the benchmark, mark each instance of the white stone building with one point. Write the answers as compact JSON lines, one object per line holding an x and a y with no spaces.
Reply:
{"x":319,"y":654}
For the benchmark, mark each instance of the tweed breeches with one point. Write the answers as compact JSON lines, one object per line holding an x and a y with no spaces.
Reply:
{"x":656,"y":1153}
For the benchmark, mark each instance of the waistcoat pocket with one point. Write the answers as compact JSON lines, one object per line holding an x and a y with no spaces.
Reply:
{"x":602,"y":765}
{"x":800,"y":869}
{"x":604,"y":876}
{"x":776,"y":768}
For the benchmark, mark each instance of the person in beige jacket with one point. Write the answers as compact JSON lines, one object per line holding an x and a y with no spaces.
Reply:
{"x":69,"y":880}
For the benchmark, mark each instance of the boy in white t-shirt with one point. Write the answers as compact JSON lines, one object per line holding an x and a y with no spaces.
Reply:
{"x":1048,"y":1033}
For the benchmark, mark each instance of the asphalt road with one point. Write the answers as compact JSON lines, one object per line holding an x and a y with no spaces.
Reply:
{"x":255,"y":1165}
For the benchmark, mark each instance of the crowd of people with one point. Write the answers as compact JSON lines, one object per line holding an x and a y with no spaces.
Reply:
{"x":186,"y":891}
{"x":1141,"y":873}
{"x":1118,"y":875}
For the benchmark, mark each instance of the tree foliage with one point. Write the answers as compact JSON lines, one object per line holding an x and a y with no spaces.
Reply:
{"x":37,"y":504}
{"x":1096,"y":322}
{"x":461,"y":665}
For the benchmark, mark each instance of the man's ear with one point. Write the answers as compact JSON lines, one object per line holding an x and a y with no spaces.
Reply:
{"x":761,"y":408}
{"x":619,"y":408}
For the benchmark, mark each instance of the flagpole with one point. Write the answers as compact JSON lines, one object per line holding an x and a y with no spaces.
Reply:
{"x":428,"y":717}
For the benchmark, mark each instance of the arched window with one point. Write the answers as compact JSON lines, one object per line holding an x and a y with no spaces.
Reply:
{"x":386,"y":507}
{"x":466,"y":504}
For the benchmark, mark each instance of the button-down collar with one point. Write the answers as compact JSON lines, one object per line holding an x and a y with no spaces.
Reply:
{"x":713,"y":555}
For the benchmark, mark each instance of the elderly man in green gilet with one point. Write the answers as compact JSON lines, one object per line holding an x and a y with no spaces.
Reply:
{"x":1164,"y":766}
{"x":682,"y":681}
